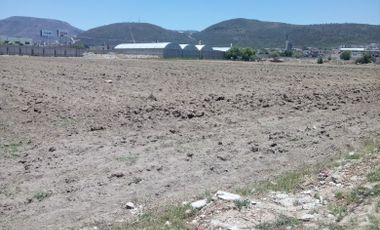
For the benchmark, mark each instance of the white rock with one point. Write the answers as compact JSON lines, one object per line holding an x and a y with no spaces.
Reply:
{"x":108,"y":81}
{"x":306,"y":217}
{"x":227,"y":196}
{"x":287,"y":202}
{"x":199,"y":204}
{"x":129,"y":205}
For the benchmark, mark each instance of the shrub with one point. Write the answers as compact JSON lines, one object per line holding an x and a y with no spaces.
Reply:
{"x":345,"y":55}
{"x":320,"y":60}
{"x":365,"y":59}
{"x":245,"y":54}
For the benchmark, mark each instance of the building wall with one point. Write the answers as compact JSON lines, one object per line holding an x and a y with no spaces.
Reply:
{"x":41,"y":51}
{"x":147,"y":52}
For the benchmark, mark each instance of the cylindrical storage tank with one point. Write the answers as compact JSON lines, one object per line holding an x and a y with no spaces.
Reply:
{"x":189,"y":51}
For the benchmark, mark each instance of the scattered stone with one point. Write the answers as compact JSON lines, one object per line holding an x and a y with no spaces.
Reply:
{"x":227,"y":196}
{"x":117,"y":175}
{"x":176,"y":113}
{"x":25,"y":109}
{"x":52,"y":149}
{"x":96,"y":128}
{"x":222,"y":158}
{"x":152,"y":97}
{"x":306,"y":217}
{"x":129,"y":205}
{"x":254,"y":149}
{"x":108,"y":81}
{"x":199,"y":204}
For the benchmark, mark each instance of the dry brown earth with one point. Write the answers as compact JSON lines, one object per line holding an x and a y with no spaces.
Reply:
{"x":85,"y":136}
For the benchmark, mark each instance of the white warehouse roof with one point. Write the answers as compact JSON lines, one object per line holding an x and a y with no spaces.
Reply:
{"x":183,"y":46}
{"x":352,"y":49}
{"x":223,"y":49}
{"x":159,"y":45}
{"x":200,"y":47}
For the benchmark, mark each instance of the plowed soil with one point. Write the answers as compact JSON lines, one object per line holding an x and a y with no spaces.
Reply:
{"x":81,"y":137}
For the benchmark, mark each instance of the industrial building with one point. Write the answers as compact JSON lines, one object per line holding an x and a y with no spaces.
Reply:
{"x":208,"y":52}
{"x":189,"y":51}
{"x":161,"y":49}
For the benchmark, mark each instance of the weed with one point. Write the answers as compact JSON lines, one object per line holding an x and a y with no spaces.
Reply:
{"x":242,"y":204}
{"x":41,"y":195}
{"x":338,"y":210}
{"x":354,"y":156}
{"x":10,"y":150}
{"x":374,"y":223}
{"x":129,"y":160}
{"x":205,"y":195}
{"x":374,"y":175}
{"x":339,"y":195}
{"x":282,"y":221}
{"x":288,"y":182}
{"x":173,"y":217}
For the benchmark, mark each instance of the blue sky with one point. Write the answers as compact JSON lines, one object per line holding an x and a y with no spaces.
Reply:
{"x":196,"y":14}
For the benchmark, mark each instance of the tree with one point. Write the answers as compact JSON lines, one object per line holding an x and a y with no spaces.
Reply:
{"x":365,"y":59}
{"x":247,"y":54}
{"x":345,"y":55}
{"x":320,"y":60}
{"x":287,"y":53}
{"x":233,"y":53}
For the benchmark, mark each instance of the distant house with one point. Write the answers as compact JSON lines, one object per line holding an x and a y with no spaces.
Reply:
{"x":161,"y":49}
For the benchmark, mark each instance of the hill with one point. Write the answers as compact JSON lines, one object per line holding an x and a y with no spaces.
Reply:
{"x":114,"y":34}
{"x":29,"y":27}
{"x":260,"y":34}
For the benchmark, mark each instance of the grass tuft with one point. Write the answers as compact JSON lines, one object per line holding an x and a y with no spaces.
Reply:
{"x":40,"y":196}
{"x":374,"y":176}
{"x":279,"y":223}
{"x":173,"y":217}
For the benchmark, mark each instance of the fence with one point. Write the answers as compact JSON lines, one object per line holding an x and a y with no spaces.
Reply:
{"x":58,"y":51}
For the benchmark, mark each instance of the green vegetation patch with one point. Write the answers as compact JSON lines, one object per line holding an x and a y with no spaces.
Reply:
{"x":279,"y":223}
{"x":173,"y":217}
{"x":374,"y":175}
{"x":40,"y":196}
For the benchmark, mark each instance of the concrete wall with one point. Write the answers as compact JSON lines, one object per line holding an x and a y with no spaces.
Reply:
{"x":41,"y":51}
{"x":377,"y":60}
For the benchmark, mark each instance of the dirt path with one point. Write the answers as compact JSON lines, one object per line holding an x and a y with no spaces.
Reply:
{"x":81,"y":137}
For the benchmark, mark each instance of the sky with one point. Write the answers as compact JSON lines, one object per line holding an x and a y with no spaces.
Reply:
{"x":195,"y":14}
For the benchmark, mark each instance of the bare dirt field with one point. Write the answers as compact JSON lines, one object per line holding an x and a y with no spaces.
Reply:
{"x":79,"y":138}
